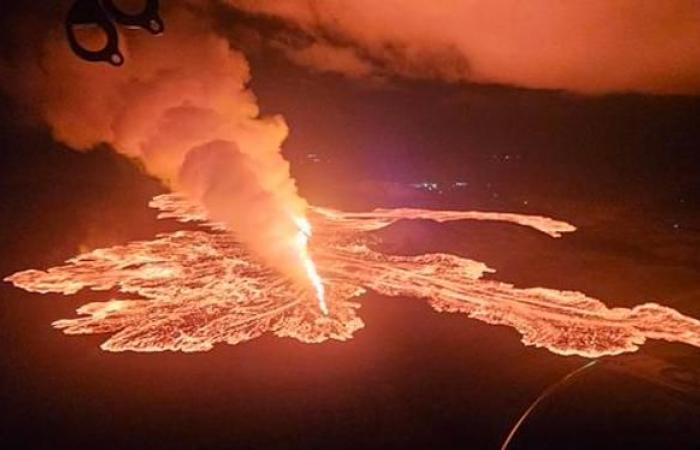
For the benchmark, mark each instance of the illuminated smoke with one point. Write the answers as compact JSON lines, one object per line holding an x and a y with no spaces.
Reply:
{"x":181,"y":109}
{"x":592,"y":46}
{"x":189,"y":290}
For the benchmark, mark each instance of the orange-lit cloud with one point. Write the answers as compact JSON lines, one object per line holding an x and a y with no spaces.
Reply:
{"x":594,"y":46}
{"x":325,"y":57}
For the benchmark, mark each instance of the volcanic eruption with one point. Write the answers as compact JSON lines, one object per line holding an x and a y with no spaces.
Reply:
{"x":181,"y":109}
{"x":189,"y":290}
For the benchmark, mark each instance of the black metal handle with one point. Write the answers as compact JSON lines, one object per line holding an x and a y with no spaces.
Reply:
{"x":90,"y":13}
{"x":102,"y":13}
{"x":148,"y":19}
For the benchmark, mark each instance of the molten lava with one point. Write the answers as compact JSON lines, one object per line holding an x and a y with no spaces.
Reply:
{"x":191,"y":289}
{"x":309,"y":267}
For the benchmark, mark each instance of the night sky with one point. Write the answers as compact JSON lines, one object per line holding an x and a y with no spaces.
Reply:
{"x":622,"y":166}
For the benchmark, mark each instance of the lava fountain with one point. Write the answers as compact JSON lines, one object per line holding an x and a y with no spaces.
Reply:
{"x":309,"y":267}
{"x":190,"y":289}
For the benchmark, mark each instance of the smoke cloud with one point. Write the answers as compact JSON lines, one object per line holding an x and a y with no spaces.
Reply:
{"x":181,"y":109}
{"x":593,"y":46}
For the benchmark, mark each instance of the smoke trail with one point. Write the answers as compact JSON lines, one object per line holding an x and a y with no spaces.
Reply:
{"x":181,"y":109}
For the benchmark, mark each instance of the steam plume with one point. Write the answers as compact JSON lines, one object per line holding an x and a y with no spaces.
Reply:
{"x":179,"y":107}
{"x":592,"y":46}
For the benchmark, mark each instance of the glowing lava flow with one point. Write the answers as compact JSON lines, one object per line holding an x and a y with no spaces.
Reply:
{"x":309,"y":266}
{"x":191,"y":289}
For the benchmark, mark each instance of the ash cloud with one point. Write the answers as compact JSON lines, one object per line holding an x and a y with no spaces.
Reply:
{"x":590,"y":47}
{"x":180,"y":108}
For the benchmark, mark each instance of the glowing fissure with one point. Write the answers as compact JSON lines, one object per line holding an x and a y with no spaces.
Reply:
{"x":189,"y":290}
{"x":309,"y":267}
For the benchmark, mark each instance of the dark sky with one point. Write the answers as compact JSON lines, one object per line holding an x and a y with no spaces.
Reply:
{"x":516,"y":143}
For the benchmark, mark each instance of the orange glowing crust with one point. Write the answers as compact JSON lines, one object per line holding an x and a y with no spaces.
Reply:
{"x":193,"y":289}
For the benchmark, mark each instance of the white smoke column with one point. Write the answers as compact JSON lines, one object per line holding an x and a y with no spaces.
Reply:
{"x":180,"y":108}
